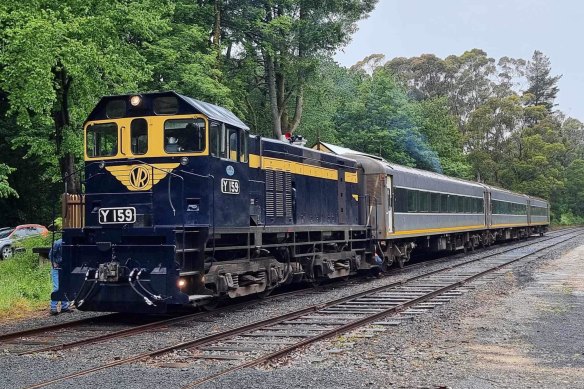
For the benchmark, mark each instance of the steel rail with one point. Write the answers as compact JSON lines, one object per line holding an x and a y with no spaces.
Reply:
{"x":58,"y":326}
{"x":263,"y":323}
{"x":366,"y":320}
{"x":152,"y":326}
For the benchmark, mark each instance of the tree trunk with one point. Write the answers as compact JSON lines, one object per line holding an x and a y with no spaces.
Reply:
{"x":61,"y":119}
{"x":299,"y":105}
{"x":292,"y":126}
{"x":271,"y":80}
{"x":217,"y":29}
{"x":281,"y":93}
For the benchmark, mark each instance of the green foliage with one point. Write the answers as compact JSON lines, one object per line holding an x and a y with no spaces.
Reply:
{"x":439,"y":128}
{"x":380,"y":121}
{"x":543,"y":88}
{"x":58,"y":58}
{"x":5,"y":189}
{"x":24,"y":284}
{"x":468,"y":115}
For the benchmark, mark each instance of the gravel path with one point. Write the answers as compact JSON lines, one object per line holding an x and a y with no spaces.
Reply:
{"x":442,"y":348}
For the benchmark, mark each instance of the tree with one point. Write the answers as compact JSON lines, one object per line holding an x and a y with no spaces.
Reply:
{"x":286,"y":38}
{"x":543,"y":87}
{"x":466,"y":80}
{"x":438,"y":126}
{"x":381,"y":121}
{"x":182,"y":58}
{"x":59,"y":57}
{"x":5,"y":189}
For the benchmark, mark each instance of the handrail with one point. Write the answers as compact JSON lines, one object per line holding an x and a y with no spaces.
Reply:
{"x":212,"y":177}
{"x":171,"y":174}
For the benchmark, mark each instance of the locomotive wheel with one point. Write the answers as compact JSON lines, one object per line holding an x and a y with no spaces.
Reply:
{"x":265,"y":293}
{"x":400,"y":262}
{"x":210,"y":307}
{"x":386,"y":265}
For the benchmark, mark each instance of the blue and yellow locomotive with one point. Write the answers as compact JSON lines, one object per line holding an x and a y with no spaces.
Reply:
{"x":183,"y":206}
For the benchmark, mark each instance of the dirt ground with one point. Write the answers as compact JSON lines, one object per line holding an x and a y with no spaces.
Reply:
{"x":525,"y":331}
{"x":522,"y":330}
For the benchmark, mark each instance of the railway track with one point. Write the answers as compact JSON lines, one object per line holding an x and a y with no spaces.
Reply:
{"x":265,"y":340}
{"x":88,"y":331}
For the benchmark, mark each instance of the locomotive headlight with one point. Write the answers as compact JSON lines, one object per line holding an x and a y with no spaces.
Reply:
{"x":182,"y":282}
{"x":135,"y":101}
{"x":102,"y":164}
{"x":184,"y":160}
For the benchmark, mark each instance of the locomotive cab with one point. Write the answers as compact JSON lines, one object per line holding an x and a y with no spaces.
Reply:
{"x":156,"y":165}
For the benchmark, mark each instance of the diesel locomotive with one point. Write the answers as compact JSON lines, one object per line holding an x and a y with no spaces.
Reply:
{"x":183,"y":206}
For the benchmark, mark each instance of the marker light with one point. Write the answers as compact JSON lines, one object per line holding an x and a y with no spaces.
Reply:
{"x":181,"y":283}
{"x":135,"y":101}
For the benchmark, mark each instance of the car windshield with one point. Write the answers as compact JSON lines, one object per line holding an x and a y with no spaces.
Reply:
{"x":5,"y":233}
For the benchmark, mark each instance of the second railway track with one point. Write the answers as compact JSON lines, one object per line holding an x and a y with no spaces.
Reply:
{"x":264,"y":340}
{"x":88,"y":331}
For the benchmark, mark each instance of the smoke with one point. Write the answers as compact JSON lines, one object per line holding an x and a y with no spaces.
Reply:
{"x":426,"y":158}
{"x":414,"y":144}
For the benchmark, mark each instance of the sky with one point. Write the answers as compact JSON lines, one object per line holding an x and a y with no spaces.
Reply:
{"x":513,"y":28}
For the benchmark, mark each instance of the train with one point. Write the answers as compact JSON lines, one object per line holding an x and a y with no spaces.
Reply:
{"x":182,"y":206}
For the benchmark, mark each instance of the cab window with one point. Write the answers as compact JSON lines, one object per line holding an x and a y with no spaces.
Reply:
{"x":184,"y":135}
{"x":139,"y":136}
{"x":215,"y":139}
{"x":243,"y":144}
{"x":165,"y":105}
{"x":115,"y":109}
{"x":102,"y":140}
{"x":232,"y":135}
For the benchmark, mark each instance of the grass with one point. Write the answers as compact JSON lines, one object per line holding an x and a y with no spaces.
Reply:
{"x":25,"y":286}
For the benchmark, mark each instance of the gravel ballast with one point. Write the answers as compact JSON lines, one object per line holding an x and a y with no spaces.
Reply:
{"x":520,"y":328}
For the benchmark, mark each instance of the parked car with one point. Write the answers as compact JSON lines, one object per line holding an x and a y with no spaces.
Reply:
{"x":8,"y":236}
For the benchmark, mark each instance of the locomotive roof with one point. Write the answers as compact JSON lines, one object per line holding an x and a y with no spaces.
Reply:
{"x":405,"y":169}
{"x":399,"y":168}
{"x":215,"y":112}
{"x":186,"y":105}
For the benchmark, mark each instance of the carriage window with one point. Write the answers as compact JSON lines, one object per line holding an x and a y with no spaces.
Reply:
{"x":412,"y":201}
{"x":467,"y":205}
{"x":115,"y":109}
{"x":166,"y":105}
{"x":184,"y":135}
{"x":102,"y":140}
{"x":424,"y":198}
{"x":451,"y":203}
{"x":460,"y":204}
{"x":232,"y":144}
{"x":139,"y":136}
{"x":443,"y":203}
{"x":401,"y":200}
{"x":435,"y":207}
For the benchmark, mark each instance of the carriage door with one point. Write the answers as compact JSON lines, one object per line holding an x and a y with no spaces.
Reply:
{"x":487,"y":209}
{"x":389,"y":205}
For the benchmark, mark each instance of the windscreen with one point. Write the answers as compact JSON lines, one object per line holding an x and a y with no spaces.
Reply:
{"x":184,"y":135}
{"x":102,"y":140}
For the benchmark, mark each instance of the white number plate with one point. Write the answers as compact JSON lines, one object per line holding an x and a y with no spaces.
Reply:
{"x":117,"y":215}
{"x":229,"y":186}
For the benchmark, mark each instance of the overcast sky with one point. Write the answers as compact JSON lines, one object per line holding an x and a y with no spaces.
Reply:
{"x":514,"y":28}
